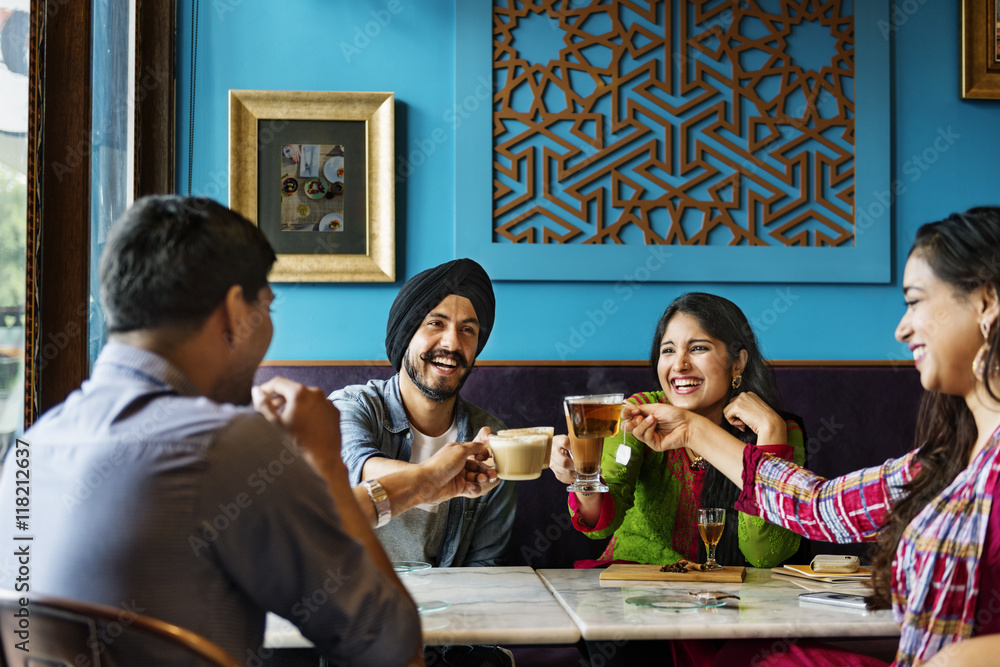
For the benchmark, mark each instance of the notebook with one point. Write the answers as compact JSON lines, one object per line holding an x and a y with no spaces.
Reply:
{"x":806,"y":572}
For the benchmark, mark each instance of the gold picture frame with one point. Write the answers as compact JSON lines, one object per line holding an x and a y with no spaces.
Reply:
{"x":980,"y":49}
{"x":358,"y":127}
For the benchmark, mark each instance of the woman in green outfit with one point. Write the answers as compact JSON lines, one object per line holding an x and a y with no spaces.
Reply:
{"x":705,"y":358}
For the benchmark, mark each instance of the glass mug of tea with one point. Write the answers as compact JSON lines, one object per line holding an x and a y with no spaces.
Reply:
{"x":520,"y":457}
{"x":590,"y":419}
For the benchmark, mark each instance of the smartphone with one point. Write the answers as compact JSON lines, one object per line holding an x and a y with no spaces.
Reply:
{"x":836,"y":599}
{"x":835,"y":564}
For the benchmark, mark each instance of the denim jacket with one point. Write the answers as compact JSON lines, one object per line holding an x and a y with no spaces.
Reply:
{"x":373,"y":423}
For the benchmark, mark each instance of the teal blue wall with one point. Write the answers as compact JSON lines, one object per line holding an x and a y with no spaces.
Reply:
{"x":253,"y":44}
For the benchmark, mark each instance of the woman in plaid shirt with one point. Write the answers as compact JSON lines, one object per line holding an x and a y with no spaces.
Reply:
{"x":932,"y":510}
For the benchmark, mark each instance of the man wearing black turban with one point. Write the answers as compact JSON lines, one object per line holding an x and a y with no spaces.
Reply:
{"x":438,"y":324}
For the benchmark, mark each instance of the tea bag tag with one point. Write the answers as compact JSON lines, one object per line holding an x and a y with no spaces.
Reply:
{"x":623,"y":454}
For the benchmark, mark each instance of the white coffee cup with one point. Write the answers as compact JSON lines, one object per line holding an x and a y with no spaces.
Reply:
{"x":519,"y":457}
{"x":548,"y":431}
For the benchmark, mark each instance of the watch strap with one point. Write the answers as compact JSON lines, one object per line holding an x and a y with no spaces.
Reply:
{"x":380,"y":499}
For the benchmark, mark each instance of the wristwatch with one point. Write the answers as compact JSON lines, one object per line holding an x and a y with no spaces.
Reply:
{"x":380,"y":499}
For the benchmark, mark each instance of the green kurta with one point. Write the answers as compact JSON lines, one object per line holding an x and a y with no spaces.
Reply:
{"x":655,"y":495}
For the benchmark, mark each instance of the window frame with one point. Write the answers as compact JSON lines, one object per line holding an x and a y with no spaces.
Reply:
{"x":59,"y":119}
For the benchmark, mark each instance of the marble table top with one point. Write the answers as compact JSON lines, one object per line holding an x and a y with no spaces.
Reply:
{"x":768,"y":607}
{"x":486,"y":605}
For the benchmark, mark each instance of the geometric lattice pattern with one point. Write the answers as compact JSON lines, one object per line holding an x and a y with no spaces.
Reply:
{"x":689,"y":123}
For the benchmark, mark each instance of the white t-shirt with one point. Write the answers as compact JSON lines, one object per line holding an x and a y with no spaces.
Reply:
{"x":425,"y":446}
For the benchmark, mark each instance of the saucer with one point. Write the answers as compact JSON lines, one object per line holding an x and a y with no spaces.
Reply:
{"x":431,"y":605}
{"x":410,"y":566}
{"x":674,"y":602}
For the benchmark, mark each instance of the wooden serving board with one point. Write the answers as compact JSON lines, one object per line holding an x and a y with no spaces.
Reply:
{"x":630,"y":572}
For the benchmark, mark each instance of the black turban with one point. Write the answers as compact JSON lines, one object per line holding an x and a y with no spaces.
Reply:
{"x":462,"y":277}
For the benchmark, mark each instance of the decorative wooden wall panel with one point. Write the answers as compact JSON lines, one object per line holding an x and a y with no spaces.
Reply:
{"x":706,"y":134}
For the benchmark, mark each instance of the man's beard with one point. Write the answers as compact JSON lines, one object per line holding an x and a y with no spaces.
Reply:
{"x":441,"y":393}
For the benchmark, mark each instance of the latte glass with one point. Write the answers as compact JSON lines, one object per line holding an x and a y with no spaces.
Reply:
{"x":547,"y":431}
{"x":519,"y":457}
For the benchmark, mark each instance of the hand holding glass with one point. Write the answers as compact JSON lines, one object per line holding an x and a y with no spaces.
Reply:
{"x":590,"y":420}
{"x":711,"y":521}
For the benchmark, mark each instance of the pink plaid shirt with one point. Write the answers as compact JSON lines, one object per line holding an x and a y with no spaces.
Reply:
{"x":935,"y":576}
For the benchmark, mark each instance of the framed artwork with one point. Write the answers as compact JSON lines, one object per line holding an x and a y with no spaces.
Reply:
{"x":314,"y":170}
{"x":683,"y":141}
{"x":980,"y":49}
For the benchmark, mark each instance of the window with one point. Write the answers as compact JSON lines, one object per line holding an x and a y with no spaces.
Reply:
{"x":104,"y":145}
{"x":14,"y":33}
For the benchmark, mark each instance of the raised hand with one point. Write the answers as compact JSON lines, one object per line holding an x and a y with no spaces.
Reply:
{"x":560,"y":462}
{"x":659,"y":425}
{"x":485,"y":472}
{"x":304,"y":412}
{"x":457,"y":469}
{"x":749,"y":410}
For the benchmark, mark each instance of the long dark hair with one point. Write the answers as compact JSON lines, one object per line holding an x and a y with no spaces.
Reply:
{"x":723,"y":320}
{"x":962,"y":250}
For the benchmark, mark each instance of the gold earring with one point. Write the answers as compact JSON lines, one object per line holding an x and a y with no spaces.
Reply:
{"x":979,"y":363}
{"x":737,"y":381}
